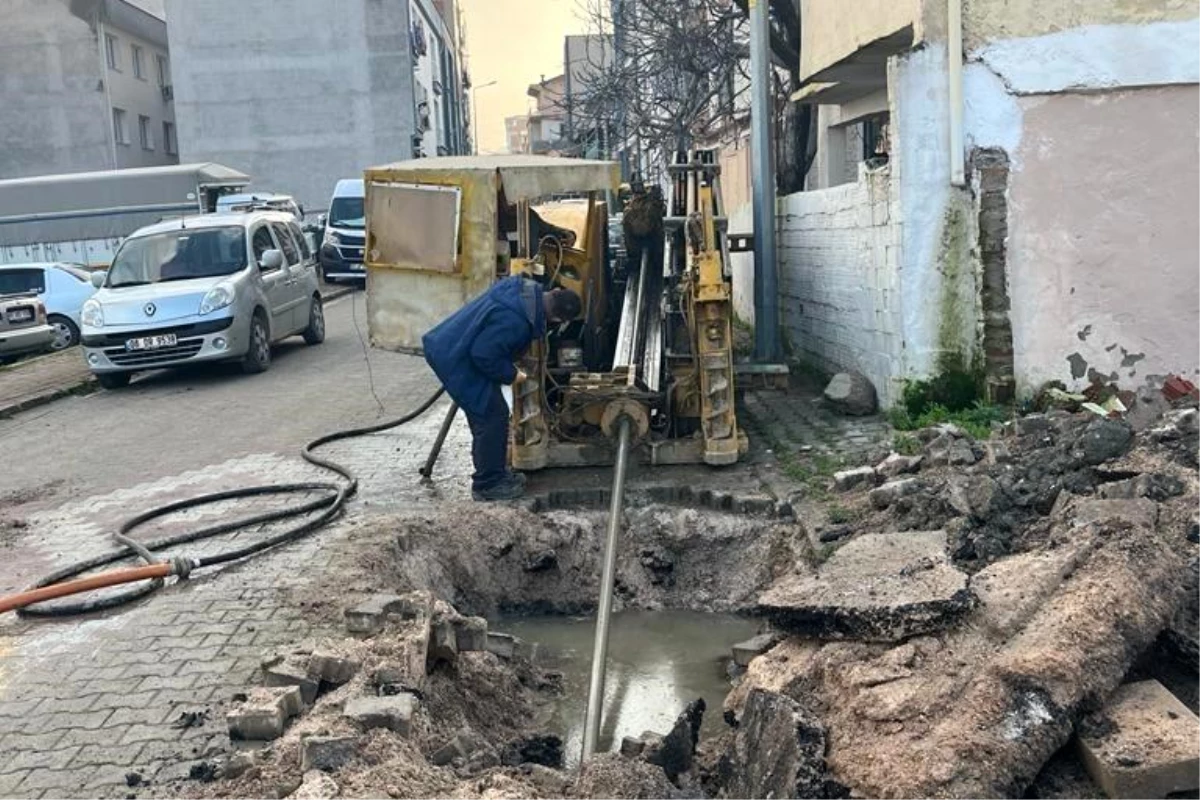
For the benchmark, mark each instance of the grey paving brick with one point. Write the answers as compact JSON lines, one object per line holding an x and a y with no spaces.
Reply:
{"x":99,"y":754}
{"x":173,"y":683}
{"x":10,"y":783}
{"x":113,"y":700}
{"x":17,"y":708}
{"x":40,"y":759}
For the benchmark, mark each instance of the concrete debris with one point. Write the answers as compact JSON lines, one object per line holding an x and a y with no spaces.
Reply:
{"x":949,"y":449}
{"x":316,"y":786}
{"x":393,"y":712}
{"x":851,"y":393}
{"x":1142,"y":743}
{"x":890,"y":492}
{"x":675,"y":751}
{"x":1155,"y":486}
{"x":327,"y":753}
{"x":849,"y":479}
{"x":745,"y":652}
{"x":878,"y":587}
{"x":973,"y":496}
{"x":443,"y":643}
{"x":896,"y":464}
{"x":369,"y":616}
{"x":632,"y":746}
{"x":507,"y":646}
{"x":264,"y":713}
{"x":1103,"y":440}
{"x":541,"y":561}
{"x":778,"y":751}
{"x":1011,"y":591}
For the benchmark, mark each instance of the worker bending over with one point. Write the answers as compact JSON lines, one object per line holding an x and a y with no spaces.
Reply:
{"x":473,"y":352}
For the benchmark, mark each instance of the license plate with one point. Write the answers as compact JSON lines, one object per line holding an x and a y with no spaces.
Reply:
{"x":151,"y":342}
{"x":20,"y":315}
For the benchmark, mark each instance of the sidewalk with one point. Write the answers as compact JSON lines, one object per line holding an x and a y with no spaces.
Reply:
{"x":43,"y":379}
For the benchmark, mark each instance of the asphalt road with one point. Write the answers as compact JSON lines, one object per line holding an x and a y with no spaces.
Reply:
{"x":168,"y":422}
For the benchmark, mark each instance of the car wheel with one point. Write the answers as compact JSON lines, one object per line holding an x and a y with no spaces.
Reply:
{"x":66,"y":333}
{"x":315,"y":332}
{"x":258,"y":355}
{"x":114,"y":380}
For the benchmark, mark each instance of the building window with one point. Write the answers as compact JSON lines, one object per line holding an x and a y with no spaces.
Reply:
{"x":138,"y":71}
{"x":146,"y":133}
{"x":169,"y":139}
{"x":120,"y":132}
{"x":163,"y":75}
{"x":112,"y":51}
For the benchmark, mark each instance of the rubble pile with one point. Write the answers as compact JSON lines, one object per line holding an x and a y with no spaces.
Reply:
{"x":1021,"y":579}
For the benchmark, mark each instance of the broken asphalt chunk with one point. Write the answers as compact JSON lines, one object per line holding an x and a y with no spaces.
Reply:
{"x":878,"y":587}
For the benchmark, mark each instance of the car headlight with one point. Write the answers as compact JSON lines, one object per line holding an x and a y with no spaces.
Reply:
{"x":218,"y":297}
{"x":92,"y":314}
{"x":333,"y":237}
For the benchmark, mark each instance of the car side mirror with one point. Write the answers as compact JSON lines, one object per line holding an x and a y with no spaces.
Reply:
{"x":98,"y":278}
{"x":272,"y":259}
{"x":322,"y":219}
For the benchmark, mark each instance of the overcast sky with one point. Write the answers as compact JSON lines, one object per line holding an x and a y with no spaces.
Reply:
{"x":514,"y":42}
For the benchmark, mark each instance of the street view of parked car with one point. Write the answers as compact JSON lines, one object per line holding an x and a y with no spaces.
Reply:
{"x":62,"y":289}
{"x":217,"y":287}
{"x":23,"y":326}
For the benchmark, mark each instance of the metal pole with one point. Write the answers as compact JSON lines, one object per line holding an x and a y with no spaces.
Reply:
{"x":766,"y":280}
{"x":591,"y":728}
{"x":427,"y":470}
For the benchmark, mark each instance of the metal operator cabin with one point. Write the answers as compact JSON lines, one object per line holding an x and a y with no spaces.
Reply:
{"x":646,"y":373}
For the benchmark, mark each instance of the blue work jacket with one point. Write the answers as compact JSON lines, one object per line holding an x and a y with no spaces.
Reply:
{"x":473,"y":350}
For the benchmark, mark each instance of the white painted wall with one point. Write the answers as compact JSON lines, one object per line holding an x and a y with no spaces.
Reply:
{"x":839,"y":252}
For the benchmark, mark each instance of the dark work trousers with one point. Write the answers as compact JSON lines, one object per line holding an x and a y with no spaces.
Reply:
{"x":489,"y":448}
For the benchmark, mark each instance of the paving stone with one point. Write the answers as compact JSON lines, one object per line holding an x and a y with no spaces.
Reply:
{"x":470,"y":634}
{"x":462,"y":745}
{"x":896,"y":464}
{"x":331,"y":667}
{"x":744,"y":652}
{"x":632,"y":747}
{"x":393,"y":712}
{"x":443,"y":643}
{"x":878,"y":587}
{"x":503,"y":645}
{"x":848,"y":479}
{"x":291,"y":670}
{"x":890,"y":492}
{"x":264,"y":713}
{"x":368,"y":617}
{"x":1143,"y":743}
{"x":327,"y":753}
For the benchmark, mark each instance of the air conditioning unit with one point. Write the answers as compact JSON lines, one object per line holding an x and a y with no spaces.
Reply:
{"x":168,"y":92}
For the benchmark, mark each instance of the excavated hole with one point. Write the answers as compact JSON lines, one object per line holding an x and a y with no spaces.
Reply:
{"x":685,"y":579}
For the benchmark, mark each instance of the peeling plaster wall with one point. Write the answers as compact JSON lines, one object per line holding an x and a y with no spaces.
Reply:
{"x":1100,"y":123}
{"x":1103,"y":264}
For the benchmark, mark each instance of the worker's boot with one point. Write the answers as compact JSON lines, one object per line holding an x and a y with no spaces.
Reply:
{"x":511,"y":488}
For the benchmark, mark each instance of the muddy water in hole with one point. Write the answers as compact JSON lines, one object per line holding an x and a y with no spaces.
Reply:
{"x":658,"y":662}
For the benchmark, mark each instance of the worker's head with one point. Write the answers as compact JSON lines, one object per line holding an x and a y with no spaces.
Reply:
{"x":562,"y":305}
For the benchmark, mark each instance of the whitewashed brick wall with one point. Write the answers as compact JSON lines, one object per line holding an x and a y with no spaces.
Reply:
{"x":839,"y":257}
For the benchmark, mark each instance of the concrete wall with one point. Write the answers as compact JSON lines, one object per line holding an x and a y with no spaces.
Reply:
{"x":298,"y":103}
{"x":834,"y":29}
{"x":55,"y":117}
{"x":139,"y":97}
{"x":839,"y":272}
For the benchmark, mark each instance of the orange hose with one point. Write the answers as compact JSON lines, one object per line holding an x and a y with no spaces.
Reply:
{"x":113,"y":578}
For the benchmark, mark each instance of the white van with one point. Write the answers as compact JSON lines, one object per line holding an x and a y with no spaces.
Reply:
{"x":345,"y":233}
{"x":260,"y":201}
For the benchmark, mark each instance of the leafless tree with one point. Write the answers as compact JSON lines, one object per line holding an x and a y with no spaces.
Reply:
{"x":678,"y":77}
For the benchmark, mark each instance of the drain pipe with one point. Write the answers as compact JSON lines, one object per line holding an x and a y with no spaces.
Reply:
{"x":591,"y":729}
{"x":954,"y":57}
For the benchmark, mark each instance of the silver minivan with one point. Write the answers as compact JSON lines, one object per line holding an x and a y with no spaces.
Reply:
{"x":217,"y":287}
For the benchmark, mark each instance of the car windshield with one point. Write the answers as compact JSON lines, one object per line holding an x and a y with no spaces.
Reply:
{"x":347,"y":212}
{"x":179,"y":255}
{"x":78,"y":274}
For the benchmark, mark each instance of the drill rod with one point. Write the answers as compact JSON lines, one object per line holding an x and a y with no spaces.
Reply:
{"x":591,"y":730}
{"x":427,"y":470}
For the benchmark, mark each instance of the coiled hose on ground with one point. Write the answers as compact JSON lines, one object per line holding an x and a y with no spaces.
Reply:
{"x":332,"y":499}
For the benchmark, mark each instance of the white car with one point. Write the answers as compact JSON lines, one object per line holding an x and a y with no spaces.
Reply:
{"x":217,"y":287}
{"x":62,"y":289}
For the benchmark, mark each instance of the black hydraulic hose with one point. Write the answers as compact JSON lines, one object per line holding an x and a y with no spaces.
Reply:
{"x":330,"y":503}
